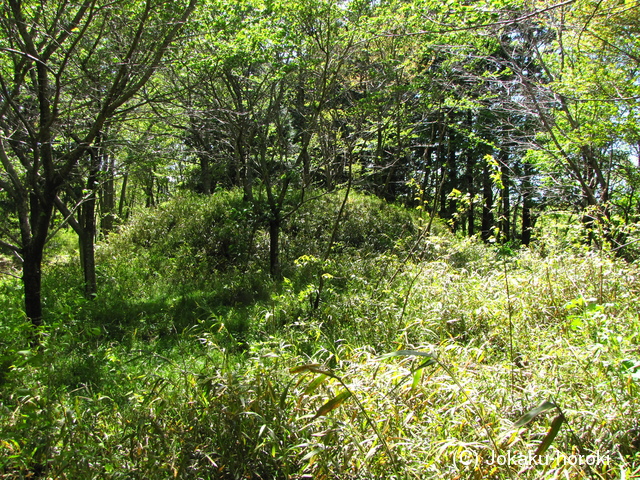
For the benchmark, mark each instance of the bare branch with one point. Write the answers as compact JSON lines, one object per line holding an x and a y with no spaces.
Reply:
{"x":500,"y":23}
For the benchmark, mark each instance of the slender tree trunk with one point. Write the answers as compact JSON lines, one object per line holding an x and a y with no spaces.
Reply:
{"x":334,"y":234}
{"x":34,"y":239}
{"x":527,"y":224}
{"x":487,"y":203}
{"x":505,"y":218}
{"x":442,"y":160}
{"x":306,"y":161}
{"x":87,"y":250}
{"x":452,"y":182}
{"x":103,"y":164}
{"x":123,"y":196}
{"x":469,"y":167}
{"x":442,"y":193}
{"x":387,"y":191}
{"x":274,"y":244}
{"x":514,"y":215}
{"x":427,"y":178}
{"x":148,"y":190}
{"x":434,"y":208}
{"x":32,"y":283}
{"x":248,"y":181}
{"x":205,"y":167}
{"x":86,"y":229}
{"x":300,"y":124}
{"x":88,"y":261}
{"x":108,"y":203}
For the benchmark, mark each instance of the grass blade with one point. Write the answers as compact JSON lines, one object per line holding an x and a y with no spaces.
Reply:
{"x":332,"y":404}
{"x":411,"y":353}
{"x":551,"y":434}
{"x":315,"y":368}
{"x":531,"y":414}
{"x":314,"y":384}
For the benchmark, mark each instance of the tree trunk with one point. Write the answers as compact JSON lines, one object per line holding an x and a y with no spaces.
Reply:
{"x":87,"y":231}
{"x":88,"y":261}
{"x":245,"y":172}
{"x":274,"y":247}
{"x":148,"y":190}
{"x":205,"y":166}
{"x":469,"y":167}
{"x":85,"y":228}
{"x":34,"y":239}
{"x":32,"y":283}
{"x":425,"y":186}
{"x":452,"y":172}
{"x":487,"y":203}
{"x":108,"y":203}
{"x":387,"y":192}
{"x":106,"y":163}
{"x":527,"y":224}
{"x":505,"y":218}
{"x":123,"y":196}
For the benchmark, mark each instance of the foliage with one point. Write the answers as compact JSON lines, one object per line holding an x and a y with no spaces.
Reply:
{"x":279,"y":308}
{"x":426,"y":358}
{"x":199,"y":237}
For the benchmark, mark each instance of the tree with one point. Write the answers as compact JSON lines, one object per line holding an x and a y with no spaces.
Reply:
{"x":575,"y":65}
{"x":67,"y":70}
{"x":253,"y":104}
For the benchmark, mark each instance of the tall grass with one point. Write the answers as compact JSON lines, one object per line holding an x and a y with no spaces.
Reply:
{"x":188,"y":368}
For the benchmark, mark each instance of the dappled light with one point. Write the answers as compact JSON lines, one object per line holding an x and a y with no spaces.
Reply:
{"x":319,"y":239}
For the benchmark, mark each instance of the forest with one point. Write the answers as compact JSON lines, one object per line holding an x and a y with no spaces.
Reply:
{"x":319,"y":239}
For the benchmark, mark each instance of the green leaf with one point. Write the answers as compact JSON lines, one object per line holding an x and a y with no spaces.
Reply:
{"x":551,"y":434}
{"x":333,"y":403}
{"x":416,"y":372}
{"x":285,"y":392}
{"x":314,"y":384}
{"x":417,"y":376}
{"x":575,"y":303}
{"x":411,"y":353}
{"x":576,"y":322}
{"x":531,"y":414}
{"x":631,"y":367}
{"x":315,"y":368}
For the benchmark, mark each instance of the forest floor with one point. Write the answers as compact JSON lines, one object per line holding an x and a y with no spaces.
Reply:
{"x":401,"y":354}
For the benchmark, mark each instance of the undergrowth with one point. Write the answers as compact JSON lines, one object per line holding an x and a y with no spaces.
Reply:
{"x":425,"y":357}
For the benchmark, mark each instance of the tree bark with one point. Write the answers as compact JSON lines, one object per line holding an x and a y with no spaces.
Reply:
{"x":527,"y":224}
{"x":88,"y":261}
{"x":108,"y":203}
{"x":469,"y":167}
{"x":86,"y":227}
{"x":505,"y":217}
{"x":205,"y":167}
{"x":452,"y":174}
{"x":34,"y":237}
{"x":487,"y":203}
{"x":147,"y":187}
{"x":123,"y":196}
{"x":32,"y":283}
{"x":274,"y":245}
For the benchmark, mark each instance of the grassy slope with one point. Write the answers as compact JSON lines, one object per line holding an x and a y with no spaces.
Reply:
{"x":182,"y":367}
